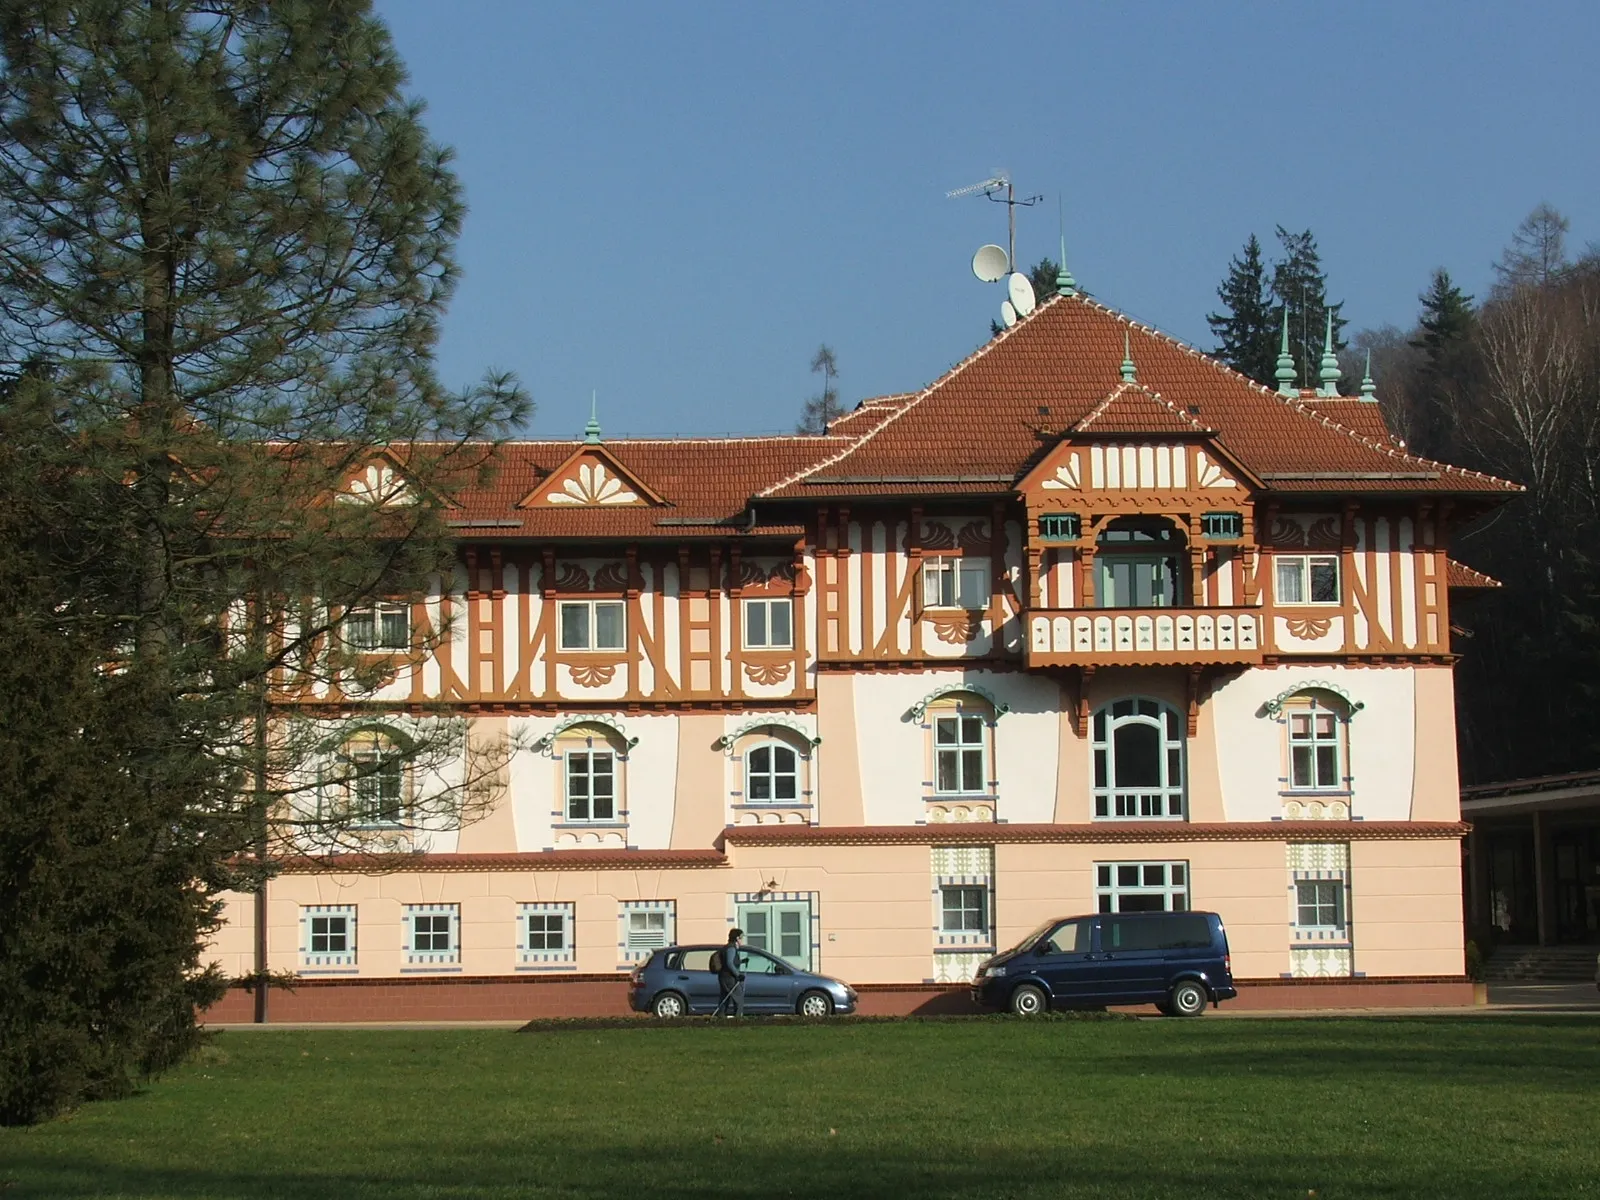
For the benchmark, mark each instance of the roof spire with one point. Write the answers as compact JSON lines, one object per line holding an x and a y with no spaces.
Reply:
{"x":591,"y":431}
{"x":1328,"y":373}
{"x":1066,"y":285}
{"x":1285,"y":373}
{"x":1369,"y":390}
{"x":1127,"y":360}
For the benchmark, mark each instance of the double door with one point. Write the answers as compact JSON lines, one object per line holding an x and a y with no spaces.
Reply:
{"x":781,"y":928}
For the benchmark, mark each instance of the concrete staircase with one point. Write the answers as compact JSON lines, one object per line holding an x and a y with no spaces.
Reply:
{"x":1541,"y":964}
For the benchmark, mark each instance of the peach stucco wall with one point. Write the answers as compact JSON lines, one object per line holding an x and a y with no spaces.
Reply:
{"x":1436,"y":790}
{"x":1405,"y":907}
{"x":875,"y":905}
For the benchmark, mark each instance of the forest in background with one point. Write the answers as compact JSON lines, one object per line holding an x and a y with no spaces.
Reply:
{"x":1507,"y":384}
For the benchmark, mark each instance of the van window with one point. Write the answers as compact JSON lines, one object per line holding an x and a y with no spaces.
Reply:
{"x":1069,"y":937}
{"x":1179,"y":931}
{"x":693,"y":960}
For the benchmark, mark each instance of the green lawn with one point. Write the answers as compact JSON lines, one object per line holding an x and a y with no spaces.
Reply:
{"x":1451,"y":1107}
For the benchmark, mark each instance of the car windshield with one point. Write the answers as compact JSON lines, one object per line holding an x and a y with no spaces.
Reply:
{"x":1037,"y":933}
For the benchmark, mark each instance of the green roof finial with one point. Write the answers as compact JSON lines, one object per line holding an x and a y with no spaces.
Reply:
{"x":1127,"y":360}
{"x":1285,"y":373}
{"x":1328,"y":373}
{"x":1066,"y":285}
{"x":1369,"y":390}
{"x":591,"y":431}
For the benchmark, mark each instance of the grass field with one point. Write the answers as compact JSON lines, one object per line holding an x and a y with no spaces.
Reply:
{"x":1448,"y":1107}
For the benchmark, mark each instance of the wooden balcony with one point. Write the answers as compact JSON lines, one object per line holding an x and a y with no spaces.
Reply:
{"x":1154,"y":637}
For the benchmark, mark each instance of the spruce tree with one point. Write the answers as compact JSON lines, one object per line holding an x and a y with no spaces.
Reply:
{"x":225,"y":248}
{"x":1444,"y":333}
{"x":1247,"y":329}
{"x":1299,"y":285}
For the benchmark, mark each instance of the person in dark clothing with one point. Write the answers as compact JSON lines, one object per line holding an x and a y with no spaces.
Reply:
{"x":730,"y":976}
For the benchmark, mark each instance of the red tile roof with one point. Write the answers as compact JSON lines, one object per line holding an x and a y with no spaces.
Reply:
{"x":1459,"y":575}
{"x":980,"y":423}
{"x":1133,"y":408}
{"x":706,"y":485}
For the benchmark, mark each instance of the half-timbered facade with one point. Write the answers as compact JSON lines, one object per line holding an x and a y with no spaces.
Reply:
{"x":1091,"y":622}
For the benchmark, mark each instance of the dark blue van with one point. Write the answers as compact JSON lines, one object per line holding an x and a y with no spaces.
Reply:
{"x":1177,"y":961}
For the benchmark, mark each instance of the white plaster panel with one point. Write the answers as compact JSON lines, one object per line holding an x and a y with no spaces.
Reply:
{"x":1330,"y":642}
{"x":852,"y":618}
{"x":1406,"y":566}
{"x":652,"y":776}
{"x":532,"y":777}
{"x":1382,"y":739}
{"x":1027,"y":745}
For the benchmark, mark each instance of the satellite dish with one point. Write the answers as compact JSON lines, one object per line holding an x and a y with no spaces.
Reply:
{"x":1008,"y":314}
{"x":1021,"y":293}
{"x":990,"y":264}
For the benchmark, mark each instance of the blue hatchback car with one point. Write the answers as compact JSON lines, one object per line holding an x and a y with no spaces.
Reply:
{"x":679,"y":981}
{"x":1175,"y":960}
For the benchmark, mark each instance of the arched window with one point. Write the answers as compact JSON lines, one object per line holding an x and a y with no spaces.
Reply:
{"x":1137,"y":564}
{"x":771,"y":773}
{"x":1317,"y":726}
{"x":592,"y":757}
{"x":1138,"y":761}
{"x":369,"y":779}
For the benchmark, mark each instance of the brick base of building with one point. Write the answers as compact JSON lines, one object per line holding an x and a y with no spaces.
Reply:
{"x":523,"y":998}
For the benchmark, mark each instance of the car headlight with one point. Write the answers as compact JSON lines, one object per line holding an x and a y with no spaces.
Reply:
{"x":993,"y":971}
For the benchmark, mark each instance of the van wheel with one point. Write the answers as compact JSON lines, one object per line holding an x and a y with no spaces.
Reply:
{"x":1027,"y":1001}
{"x":1188,"y":999}
{"x":815,"y":1004}
{"x":669,"y":1005}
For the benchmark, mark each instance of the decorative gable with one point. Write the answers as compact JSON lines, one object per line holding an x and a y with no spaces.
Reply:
{"x":591,"y":478}
{"x":380,"y":483}
{"x":1146,"y":466}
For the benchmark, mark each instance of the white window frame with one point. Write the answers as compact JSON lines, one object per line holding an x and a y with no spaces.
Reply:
{"x":637,"y":940}
{"x":963,"y":893}
{"x":772,"y":775}
{"x":311,"y":915}
{"x":959,"y":752}
{"x":1302,"y":568}
{"x":1166,"y":801}
{"x":1312,"y":709}
{"x":1170,"y":880}
{"x":544,"y":913}
{"x":959,"y":582}
{"x":1335,"y":886}
{"x":378,"y":627}
{"x":368,"y":805}
{"x":766,"y":607}
{"x":590,"y":643}
{"x":571,"y":757}
{"x":433,"y":955}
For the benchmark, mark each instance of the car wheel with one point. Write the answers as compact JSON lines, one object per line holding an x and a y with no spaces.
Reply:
{"x":1028,"y":1000}
{"x":1188,"y":999}
{"x":669,"y":1005}
{"x":815,"y":1004}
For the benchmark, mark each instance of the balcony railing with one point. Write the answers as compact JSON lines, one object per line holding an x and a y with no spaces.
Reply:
{"x":1144,"y":636}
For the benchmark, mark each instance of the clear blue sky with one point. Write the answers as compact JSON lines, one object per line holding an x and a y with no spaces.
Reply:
{"x":675,"y":203}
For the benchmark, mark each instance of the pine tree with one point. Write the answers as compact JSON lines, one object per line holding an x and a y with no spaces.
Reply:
{"x":1444,"y":332}
{"x":1247,"y":329}
{"x":1299,"y":285}
{"x":824,"y":406}
{"x":221,"y":222}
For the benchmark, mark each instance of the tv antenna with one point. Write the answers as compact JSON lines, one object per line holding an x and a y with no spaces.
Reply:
{"x":990,"y":189}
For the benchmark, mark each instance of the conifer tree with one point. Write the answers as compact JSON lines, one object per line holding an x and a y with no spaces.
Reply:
{"x":1299,"y":285}
{"x":1247,"y":328}
{"x":824,"y":406}
{"x":225,"y":248}
{"x":1444,"y":332}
